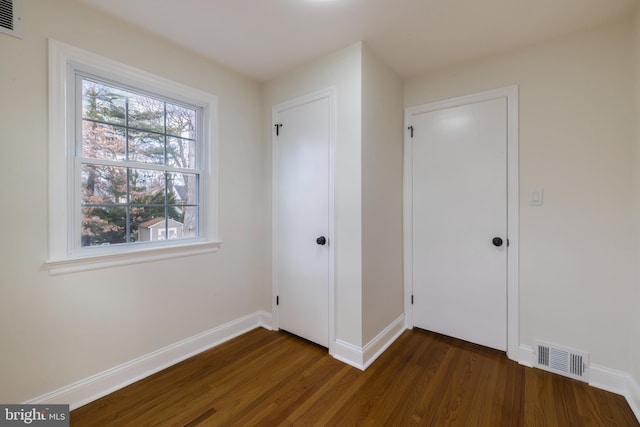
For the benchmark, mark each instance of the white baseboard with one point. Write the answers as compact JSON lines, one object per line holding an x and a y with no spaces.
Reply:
{"x":349,"y":354}
{"x":362,"y":358}
{"x":382,"y":341}
{"x":265,"y":319}
{"x":525,"y":356}
{"x":633,"y":396}
{"x":608,"y":379}
{"x":99,"y":385}
{"x":617,"y":382}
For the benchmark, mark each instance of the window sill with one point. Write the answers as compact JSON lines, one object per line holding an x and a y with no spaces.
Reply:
{"x":97,"y":262}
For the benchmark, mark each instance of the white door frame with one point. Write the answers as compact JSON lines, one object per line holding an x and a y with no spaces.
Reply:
{"x":511,"y":93}
{"x":329,"y":93}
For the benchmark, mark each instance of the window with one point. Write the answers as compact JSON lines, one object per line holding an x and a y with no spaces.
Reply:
{"x":132,"y":164}
{"x":137,"y":158}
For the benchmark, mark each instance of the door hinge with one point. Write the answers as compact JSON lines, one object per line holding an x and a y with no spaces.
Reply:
{"x":411,"y":299}
{"x":410,"y":128}
{"x":277,"y":300}
{"x":278,"y":126}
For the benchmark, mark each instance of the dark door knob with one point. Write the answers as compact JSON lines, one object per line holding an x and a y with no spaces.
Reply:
{"x":497,"y":241}
{"x":321,"y":240}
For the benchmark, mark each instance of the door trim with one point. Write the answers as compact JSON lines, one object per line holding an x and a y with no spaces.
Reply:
{"x":511,"y":93}
{"x":329,"y":93}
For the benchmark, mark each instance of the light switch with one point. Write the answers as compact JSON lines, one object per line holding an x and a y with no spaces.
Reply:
{"x":535,"y":196}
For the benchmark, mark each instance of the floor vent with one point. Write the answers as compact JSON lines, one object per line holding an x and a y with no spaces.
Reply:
{"x":10,"y":17}
{"x":560,"y":360}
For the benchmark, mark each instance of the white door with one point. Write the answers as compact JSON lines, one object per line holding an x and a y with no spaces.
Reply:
{"x":301,"y":219}
{"x":459,"y":239}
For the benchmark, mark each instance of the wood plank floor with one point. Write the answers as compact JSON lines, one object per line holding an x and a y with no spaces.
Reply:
{"x":272,"y":378}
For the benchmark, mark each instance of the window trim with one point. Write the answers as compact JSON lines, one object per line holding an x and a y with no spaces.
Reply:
{"x":64,"y":60}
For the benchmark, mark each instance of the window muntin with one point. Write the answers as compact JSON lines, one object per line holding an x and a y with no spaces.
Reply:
{"x":137,"y":162}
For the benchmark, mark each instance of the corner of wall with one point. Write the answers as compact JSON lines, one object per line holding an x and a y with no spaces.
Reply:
{"x":382,"y":183}
{"x":363,"y":357}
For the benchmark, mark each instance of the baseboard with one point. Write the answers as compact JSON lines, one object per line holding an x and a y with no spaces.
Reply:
{"x":349,"y":354}
{"x":525,"y":356}
{"x":633,"y":396}
{"x":608,"y":379}
{"x":382,"y":341}
{"x":617,"y":382}
{"x":265,"y":319}
{"x":99,"y":385}
{"x":362,"y":358}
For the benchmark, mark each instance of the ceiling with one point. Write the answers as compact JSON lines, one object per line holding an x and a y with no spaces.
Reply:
{"x":263,"y":38}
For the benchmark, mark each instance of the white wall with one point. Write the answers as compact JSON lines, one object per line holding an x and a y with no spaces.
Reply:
{"x":57,"y":330}
{"x":382,"y":136}
{"x":342,"y":70}
{"x":575,"y":141}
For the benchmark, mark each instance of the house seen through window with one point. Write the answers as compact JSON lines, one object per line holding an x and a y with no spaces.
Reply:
{"x":137,"y":160}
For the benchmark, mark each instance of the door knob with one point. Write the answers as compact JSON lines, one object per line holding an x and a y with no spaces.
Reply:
{"x":497,"y":241}
{"x":321,"y":240}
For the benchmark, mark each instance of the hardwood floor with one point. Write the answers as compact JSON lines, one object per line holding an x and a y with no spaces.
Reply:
{"x":272,"y":378}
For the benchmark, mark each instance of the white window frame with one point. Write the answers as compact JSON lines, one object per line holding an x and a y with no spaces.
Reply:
{"x":64,"y":255}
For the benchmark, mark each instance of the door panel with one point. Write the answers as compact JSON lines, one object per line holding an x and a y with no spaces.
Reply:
{"x":459,"y":203}
{"x":302,"y":216}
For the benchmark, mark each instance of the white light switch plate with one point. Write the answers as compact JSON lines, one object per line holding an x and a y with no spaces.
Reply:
{"x":536,"y":196}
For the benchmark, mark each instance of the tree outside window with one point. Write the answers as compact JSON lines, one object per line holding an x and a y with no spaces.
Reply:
{"x":138,"y":162}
